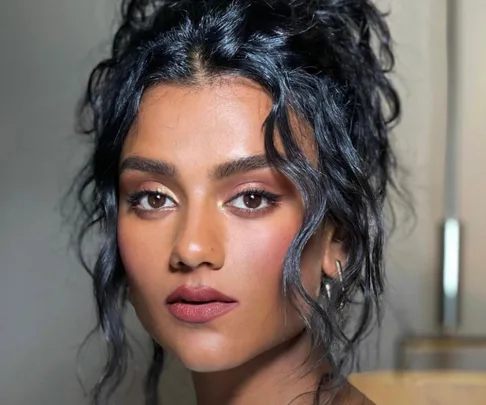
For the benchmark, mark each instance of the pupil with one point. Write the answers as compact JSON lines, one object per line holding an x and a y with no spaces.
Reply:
{"x":156,"y":201}
{"x":252,"y":200}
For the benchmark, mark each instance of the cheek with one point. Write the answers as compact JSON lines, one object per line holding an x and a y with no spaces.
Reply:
{"x":144,"y":252}
{"x":258,"y":252}
{"x":265,"y":251}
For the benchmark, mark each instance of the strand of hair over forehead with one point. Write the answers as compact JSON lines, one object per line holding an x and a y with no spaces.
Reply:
{"x":325,"y":62}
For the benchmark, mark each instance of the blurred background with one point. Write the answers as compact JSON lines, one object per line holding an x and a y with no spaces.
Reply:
{"x":47,"y":49}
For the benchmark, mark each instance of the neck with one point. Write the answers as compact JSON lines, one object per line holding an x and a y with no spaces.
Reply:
{"x":275,"y":377}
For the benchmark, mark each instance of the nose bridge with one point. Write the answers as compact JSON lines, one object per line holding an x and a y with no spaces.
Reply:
{"x":199,"y":236}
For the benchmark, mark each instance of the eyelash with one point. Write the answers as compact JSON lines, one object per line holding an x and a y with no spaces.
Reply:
{"x":134,"y":198}
{"x":137,"y":195}
{"x":271,"y":198}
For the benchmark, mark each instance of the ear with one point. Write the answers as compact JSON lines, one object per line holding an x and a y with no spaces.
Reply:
{"x":333,"y":250}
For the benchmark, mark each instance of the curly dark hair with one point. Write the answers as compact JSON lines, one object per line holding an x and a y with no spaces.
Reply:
{"x":327,"y":62}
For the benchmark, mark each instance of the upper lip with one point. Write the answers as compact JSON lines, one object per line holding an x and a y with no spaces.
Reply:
{"x":197,"y":294}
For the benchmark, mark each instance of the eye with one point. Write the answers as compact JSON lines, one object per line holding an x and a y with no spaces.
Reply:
{"x":148,"y":200}
{"x":254,"y":200}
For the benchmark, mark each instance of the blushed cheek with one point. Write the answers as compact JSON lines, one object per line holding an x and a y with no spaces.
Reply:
{"x":258,"y":256}
{"x":265,"y":252}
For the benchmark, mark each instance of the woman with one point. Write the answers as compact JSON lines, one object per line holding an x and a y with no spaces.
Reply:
{"x":241,"y":161}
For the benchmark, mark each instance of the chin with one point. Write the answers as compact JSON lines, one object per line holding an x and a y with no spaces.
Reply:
{"x":201,"y":360}
{"x":205,"y":353}
{"x":208,"y":367}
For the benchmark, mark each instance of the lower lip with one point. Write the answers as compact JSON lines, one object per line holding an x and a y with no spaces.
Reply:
{"x":200,"y":313}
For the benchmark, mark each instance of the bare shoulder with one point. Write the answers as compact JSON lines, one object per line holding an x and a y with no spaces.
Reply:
{"x":350,"y":395}
{"x":357,"y":397}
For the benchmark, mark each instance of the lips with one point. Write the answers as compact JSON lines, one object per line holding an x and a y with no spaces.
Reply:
{"x":199,"y":305}
{"x":197,"y":295}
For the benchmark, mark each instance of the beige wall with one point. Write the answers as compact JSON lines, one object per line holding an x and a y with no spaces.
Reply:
{"x":419,"y":28}
{"x":472,"y":172}
{"x":47,"y":49}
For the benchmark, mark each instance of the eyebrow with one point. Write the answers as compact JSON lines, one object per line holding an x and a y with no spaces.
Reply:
{"x":222,"y":171}
{"x":241,"y":165}
{"x":146,"y":165}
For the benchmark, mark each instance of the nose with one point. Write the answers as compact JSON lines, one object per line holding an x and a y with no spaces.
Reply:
{"x":199,"y":240}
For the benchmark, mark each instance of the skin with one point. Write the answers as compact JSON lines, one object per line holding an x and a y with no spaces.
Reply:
{"x":195,"y":232}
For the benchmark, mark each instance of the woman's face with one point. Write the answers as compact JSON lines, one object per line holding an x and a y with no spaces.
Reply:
{"x":199,"y":207}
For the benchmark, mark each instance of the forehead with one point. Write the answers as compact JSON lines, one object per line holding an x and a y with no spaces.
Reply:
{"x":219,"y":120}
{"x":222,"y":118}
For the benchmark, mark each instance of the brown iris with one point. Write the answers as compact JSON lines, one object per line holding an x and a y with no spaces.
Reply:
{"x":156,"y":200}
{"x":252,"y":201}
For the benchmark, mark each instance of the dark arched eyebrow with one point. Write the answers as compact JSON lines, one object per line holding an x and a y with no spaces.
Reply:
{"x":146,"y":165}
{"x":221,"y":171}
{"x":240,"y":165}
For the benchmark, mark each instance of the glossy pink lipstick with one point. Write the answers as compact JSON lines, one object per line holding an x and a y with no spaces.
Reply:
{"x":199,"y":304}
